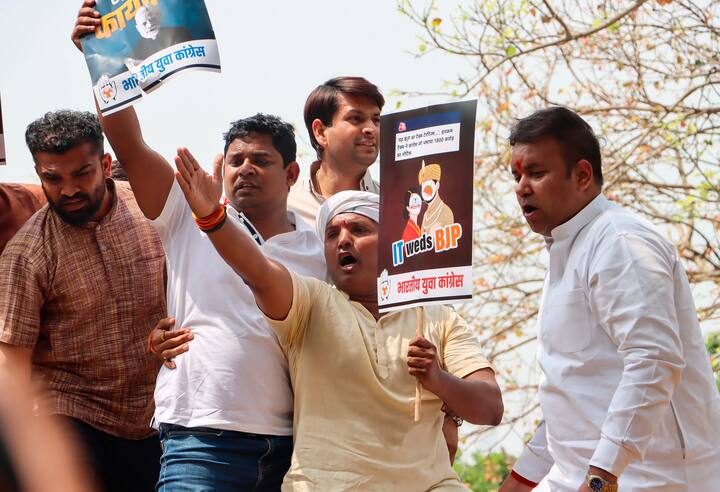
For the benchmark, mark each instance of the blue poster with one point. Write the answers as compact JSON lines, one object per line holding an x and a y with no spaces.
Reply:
{"x":141,"y":43}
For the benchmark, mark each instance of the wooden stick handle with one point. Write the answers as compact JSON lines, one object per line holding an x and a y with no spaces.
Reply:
{"x":418,"y":386}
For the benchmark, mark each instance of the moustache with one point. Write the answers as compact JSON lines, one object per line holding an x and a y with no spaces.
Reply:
{"x":77,"y":196}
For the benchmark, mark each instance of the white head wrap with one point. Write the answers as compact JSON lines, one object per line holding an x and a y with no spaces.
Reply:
{"x":350,"y":201}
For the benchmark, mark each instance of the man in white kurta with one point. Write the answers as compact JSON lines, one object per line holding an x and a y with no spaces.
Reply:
{"x":627,"y":390}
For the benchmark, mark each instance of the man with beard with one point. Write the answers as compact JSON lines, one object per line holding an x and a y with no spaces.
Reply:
{"x":86,"y":268}
{"x":353,"y":371}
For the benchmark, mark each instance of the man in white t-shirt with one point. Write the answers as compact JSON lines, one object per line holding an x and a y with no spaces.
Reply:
{"x":227,"y":407}
{"x":225,"y":412}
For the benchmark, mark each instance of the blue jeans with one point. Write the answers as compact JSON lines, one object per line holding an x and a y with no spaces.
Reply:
{"x":198,"y":459}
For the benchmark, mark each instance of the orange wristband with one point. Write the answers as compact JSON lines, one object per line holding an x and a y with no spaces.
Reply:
{"x":212,"y":222}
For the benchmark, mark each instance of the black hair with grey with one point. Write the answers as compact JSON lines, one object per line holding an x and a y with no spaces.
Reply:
{"x":56,"y":132}
{"x":281,"y":133}
{"x":567,"y":127}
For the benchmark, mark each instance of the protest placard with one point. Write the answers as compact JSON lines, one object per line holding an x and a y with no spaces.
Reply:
{"x":139,"y":44}
{"x":426,"y":203}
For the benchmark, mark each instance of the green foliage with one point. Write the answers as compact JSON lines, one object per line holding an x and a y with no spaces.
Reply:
{"x":713,"y":347}
{"x":485,"y":473}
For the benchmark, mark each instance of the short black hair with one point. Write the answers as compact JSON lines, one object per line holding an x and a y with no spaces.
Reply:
{"x":567,"y":127}
{"x":282,"y":134}
{"x":322,"y":103}
{"x":59,"y":131}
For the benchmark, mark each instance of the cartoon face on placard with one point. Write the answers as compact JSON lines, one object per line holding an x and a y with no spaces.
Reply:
{"x":429,"y":190}
{"x":414,"y":204}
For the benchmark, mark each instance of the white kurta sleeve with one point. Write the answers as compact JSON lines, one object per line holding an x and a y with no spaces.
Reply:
{"x":631,"y":293}
{"x":535,"y":461}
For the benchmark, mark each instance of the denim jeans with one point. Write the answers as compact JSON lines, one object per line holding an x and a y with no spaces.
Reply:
{"x":198,"y":459}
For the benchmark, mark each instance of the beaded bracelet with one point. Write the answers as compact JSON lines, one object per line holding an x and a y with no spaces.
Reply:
{"x":212,"y":222}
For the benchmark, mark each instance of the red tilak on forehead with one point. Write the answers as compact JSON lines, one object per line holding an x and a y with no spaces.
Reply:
{"x":518,"y":166}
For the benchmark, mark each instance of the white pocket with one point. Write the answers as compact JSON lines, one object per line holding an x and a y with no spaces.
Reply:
{"x":565,"y":325}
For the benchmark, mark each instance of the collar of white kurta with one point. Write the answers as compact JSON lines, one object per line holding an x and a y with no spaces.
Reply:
{"x":570,"y":228}
{"x":366,"y":183}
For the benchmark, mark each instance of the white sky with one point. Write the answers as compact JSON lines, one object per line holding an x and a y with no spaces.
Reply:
{"x":273,"y":53}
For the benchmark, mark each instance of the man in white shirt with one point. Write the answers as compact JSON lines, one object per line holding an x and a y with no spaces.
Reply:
{"x":227,"y":407}
{"x":342,"y":117}
{"x":225,"y":413}
{"x":627,"y":391}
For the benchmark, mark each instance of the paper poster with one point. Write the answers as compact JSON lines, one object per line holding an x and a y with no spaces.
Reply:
{"x":139,"y":44}
{"x":426,"y":205}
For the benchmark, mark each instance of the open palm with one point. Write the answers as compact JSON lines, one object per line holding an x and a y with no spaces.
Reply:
{"x":202,"y":190}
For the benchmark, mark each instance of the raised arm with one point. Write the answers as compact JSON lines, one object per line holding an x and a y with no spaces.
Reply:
{"x":269,"y":281}
{"x":150,"y":175}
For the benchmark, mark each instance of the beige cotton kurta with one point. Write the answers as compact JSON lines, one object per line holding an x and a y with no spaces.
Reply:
{"x":353,"y":420}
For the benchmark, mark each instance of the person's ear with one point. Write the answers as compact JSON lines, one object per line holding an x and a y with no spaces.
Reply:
{"x":106,"y":162}
{"x":319,"y":128}
{"x":292,"y":171}
{"x":583,"y":173}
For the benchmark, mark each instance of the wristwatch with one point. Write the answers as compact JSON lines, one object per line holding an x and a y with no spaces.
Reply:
{"x":451,"y":415}
{"x":599,"y":484}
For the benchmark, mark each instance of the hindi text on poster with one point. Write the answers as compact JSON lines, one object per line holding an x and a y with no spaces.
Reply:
{"x":427,"y":141}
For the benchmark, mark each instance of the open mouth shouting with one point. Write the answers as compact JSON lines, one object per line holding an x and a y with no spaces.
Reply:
{"x":529,"y":211}
{"x":347,"y":261}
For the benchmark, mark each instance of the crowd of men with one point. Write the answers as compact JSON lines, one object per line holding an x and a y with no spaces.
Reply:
{"x":220,"y":331}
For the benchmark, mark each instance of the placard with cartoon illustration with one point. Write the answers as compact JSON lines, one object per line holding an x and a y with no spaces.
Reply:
{"x":426,"y":204}
{"x":139,"y":44}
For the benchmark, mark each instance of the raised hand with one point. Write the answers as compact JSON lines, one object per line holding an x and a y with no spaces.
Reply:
{"x":87,"y":20}
{"x":202,"y":190}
